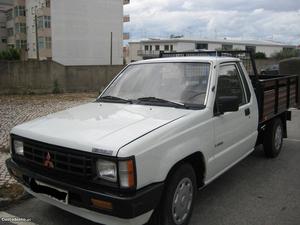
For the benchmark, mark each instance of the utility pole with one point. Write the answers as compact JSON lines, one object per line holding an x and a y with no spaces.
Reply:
{"x":36,"y":38}
{"x":111,"y":47}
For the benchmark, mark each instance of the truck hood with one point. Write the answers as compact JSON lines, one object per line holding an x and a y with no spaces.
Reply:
{"x":98,"y":127}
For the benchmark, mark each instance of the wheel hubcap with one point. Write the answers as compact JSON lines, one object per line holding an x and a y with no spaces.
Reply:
{"x":182,"y":200}
{"x":278,"y":137}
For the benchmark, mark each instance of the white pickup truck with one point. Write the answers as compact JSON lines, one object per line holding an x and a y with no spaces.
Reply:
{"x":161,"y":130}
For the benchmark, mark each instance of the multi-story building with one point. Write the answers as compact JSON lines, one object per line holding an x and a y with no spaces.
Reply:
{"x":4,"y":6}
{"x":39,"y":35}
{"x":71,"y":32}
{"x":16,"y":25}
{"x":3,"y":31}
{"x":126,"y":19}
{"x":150,"y":48}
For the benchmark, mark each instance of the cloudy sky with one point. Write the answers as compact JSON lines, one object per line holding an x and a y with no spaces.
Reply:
{"x":277,"y":20}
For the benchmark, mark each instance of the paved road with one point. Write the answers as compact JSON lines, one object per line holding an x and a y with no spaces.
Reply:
{"x":257,"y":191}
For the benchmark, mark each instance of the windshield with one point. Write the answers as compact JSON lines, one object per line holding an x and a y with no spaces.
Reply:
{"x":184,"y":83}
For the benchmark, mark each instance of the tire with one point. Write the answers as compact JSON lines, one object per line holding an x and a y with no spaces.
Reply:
{"x":273,"y":139}
{"x":181,"y":182}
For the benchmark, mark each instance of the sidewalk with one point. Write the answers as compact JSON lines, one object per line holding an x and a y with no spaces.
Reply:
{"x":5,"y":178}
{"x":16,"y":109}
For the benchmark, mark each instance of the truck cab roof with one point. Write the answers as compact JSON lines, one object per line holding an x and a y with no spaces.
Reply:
{"x":211,"y":59}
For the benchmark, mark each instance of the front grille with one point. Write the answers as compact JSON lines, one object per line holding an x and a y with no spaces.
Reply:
{"x":58,"y":159}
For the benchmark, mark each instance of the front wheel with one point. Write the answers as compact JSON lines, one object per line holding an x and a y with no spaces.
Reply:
{"x":178,"y":200}
{"x":273,"y":139}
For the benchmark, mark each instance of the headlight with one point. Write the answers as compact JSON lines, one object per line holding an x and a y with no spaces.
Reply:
{"x":107,"y":170}
{"x":18,"y":147}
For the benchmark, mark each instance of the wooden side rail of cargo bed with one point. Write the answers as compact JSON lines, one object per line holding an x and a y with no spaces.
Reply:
{"x":276,"y":95}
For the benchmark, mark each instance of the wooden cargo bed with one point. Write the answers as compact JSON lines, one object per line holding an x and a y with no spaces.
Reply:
{"x":275,"y":95}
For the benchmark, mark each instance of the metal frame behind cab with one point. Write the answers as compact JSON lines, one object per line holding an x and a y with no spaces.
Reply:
{"x":241,"y":54}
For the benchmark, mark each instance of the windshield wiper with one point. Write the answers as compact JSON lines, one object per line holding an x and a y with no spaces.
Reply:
{"x":109,"y":98}
{"x":162,"y":101}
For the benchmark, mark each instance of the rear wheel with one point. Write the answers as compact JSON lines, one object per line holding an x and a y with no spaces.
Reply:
{"x":273,"y":139}
{"x":178,"y":200}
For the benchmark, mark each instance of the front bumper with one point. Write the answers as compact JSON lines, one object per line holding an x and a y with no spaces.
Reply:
{"x":125,"y":206}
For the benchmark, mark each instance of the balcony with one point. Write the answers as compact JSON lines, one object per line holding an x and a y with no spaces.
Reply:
{"x":126,"y":18}
{"x":126,"y":2}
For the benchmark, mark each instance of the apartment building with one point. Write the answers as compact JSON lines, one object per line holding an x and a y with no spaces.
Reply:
{"x":150,"y":48}
{"x":70,"y":32}
{"x":4,"y":6}
{"x":16,"y":25}
{"x":3,"y":31}
{"x":38,"y":25}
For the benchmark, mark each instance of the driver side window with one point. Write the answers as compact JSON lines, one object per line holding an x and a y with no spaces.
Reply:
{"x":229,"y":83}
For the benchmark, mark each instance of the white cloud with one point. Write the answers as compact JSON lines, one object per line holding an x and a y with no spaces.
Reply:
{"x":259,"y":19}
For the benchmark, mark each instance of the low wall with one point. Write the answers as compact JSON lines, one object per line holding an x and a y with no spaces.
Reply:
{"x":46,"y":76}
{"x":41,"y":77}
{"x":291,"y":67}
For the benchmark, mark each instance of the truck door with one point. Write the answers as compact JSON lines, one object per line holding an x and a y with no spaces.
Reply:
{"x":233,"y":130}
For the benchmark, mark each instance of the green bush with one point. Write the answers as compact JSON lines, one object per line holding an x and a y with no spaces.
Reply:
{"x":260,"y":55}
{"x":56,"y":89}
{"x":10,"y":54}
{"x":286,"y":53}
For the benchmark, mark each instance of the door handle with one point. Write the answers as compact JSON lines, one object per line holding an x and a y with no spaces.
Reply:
{"x":247,"y":112}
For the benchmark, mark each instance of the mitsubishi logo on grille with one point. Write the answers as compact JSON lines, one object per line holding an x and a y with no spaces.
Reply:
{"x":48,"y":161}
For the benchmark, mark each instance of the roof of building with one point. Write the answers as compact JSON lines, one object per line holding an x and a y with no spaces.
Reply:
{"x":217,"y":41}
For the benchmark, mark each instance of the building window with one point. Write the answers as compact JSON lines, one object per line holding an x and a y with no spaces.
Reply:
{"x":227,"y":47}
{"x":171,"y":48}
{"x":10,"y":32}
{"x":47,"y":20}
{"x":48,"y":42}
{"x":156,"y":47}
{"x":167,"y":48}
{"x":150,"y":47}
{"x":251,"y":49}
{"x":20,"y":27}
{"x":48,"y":3}
{"x":4,"y":40}
{"x":44,"y":22}
{"x":146,"y":47}
{"x":20,"y":11}
{"x":45,"y":42}
{"x":41,"y":42}
{"x":200,"y":46}
{"x":21,"y":44}
{"x":2,"y":25}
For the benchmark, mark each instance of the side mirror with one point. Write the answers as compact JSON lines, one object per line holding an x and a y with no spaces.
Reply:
{"x":227,"y":104}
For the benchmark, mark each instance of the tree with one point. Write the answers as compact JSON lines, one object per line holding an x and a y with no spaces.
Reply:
{"x":260,"y":55}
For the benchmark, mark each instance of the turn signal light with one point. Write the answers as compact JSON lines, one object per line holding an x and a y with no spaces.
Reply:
{"x":101,"y":204}
{"x":127,"y":174}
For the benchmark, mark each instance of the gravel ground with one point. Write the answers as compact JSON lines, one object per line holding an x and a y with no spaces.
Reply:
{"x":16,"y":109}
